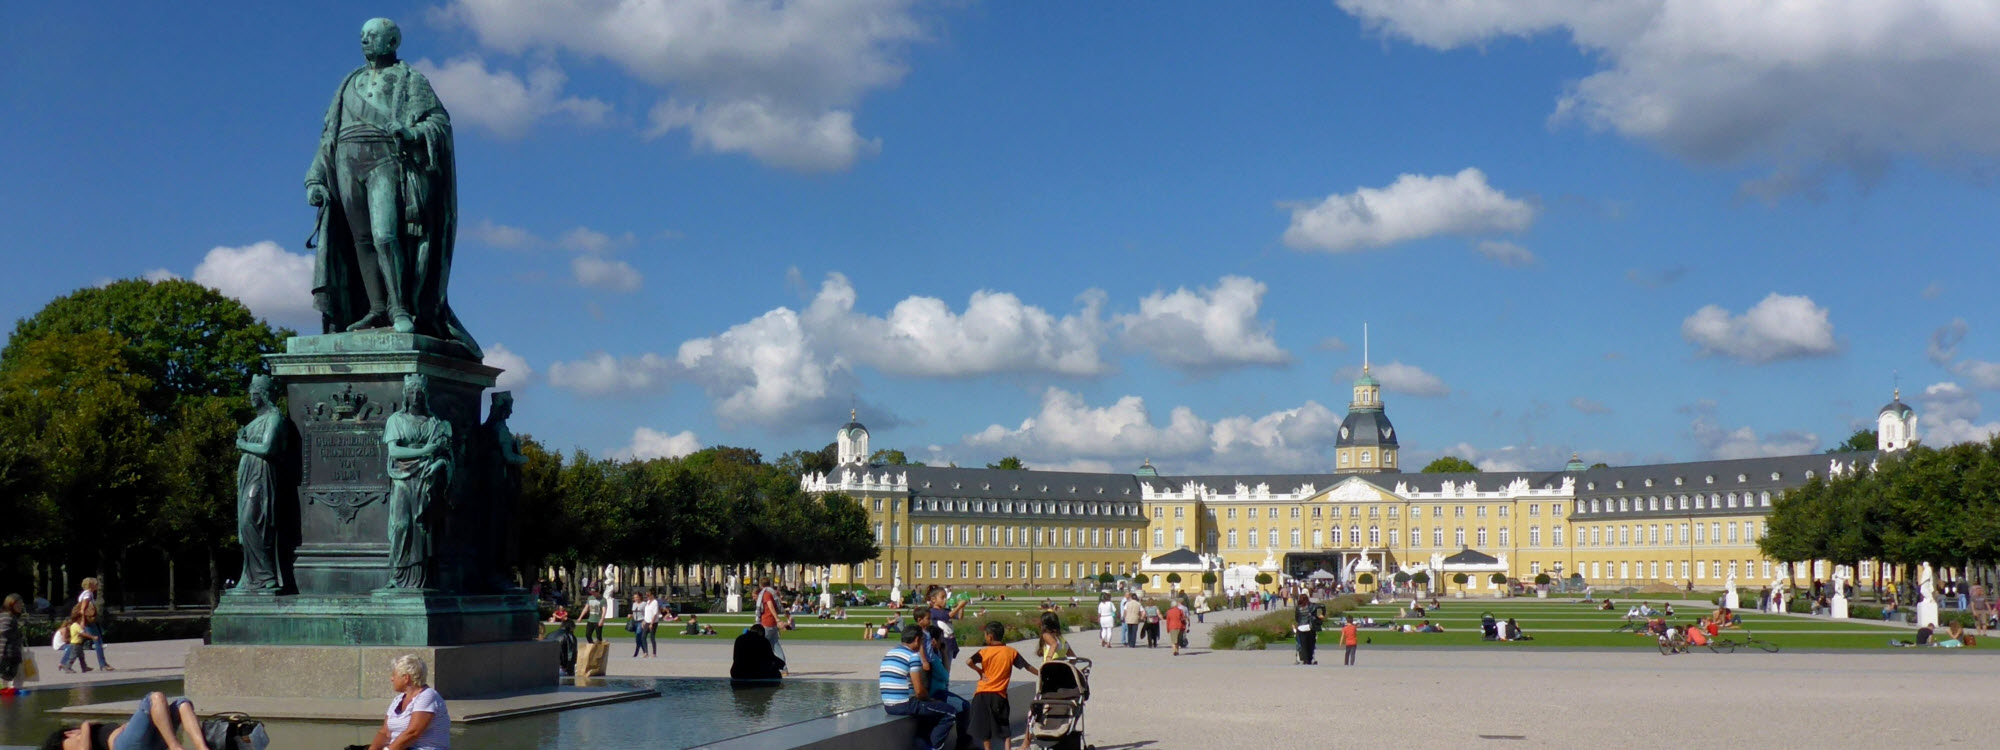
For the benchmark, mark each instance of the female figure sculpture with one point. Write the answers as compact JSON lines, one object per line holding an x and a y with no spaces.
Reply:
{"x":420,"y":467}
{"x":257,"y":488}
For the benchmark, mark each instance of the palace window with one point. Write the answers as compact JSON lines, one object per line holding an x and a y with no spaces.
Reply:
{"x":1556,"y":535}
{"x":1595,"y":539}
{"x":1437,"y":537}
{"x":1416,"y":537}
{"x":1317,"y":511}
{"x":1232,"y":514}
{"x":1367,"y":458}
{"x":1273,"y":513}
{"x":1534,"y":511}
{"x":878,"y":531}
{"x":1374,"y":511}
{"x":1479,"y":512}
{"x":1159,"y":512}
{"x":1534,"y":536}
{"x":1232,"y":539}
{"x":1699,"y":537}
{"x":1653,"y":569}
{"x":1732,"y":533}
{"x":1374,"y":536}
{"x":1458,"y":511}
{"x":1180,"y":537}
{"x":1253,"y":512}
{"x":1652,"y":535}
{"x":1392,"y":512}
{"x":1624,"y":535}
{"x":1295,"y":538}
{"x":1180,"y":512}
{"x":1353,"y":536}
{"x":1503,"y":511}
{"x":1295,"y":511}
{"x":1715,"y":534}
{"x":1319,"y":538}
{"x":1272,"y":537}
{"x":1481,"y":536}
{"x":1253,"y":538}
{"x":878,"y":568}
{"x":1503,"y":536}
{"x":1458,"y":537}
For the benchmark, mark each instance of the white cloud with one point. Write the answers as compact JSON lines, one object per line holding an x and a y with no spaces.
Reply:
{"x":923,"y":337}
{"x":1396,"y":377}
{"x":1717,"y":442}
{"x":777,"y":81}
{"x":1950,"y":416}
{"x":1506,"y":253}
{"x":1331,"y":344}
{"x":1943,"y":347}
{"x":648,"y":443}
{"x":158,"y":274}
{"x":766,"y":372}
{"x":500,"y":101}
{"x":1210,"y":328}
{"x":1413,"y":207}
{"x":1589,"y":406}
{"x":274,"y":284}
{"x":1780,"y":327}
{"x":1067,"y":429}
{"x":502,"y":235}
{"x":1982,"y":375}
{"x":516,"y":373}
{"x":807,"y":142}
{"x":1799,"y":85}
{"x":602,"y":374}
{"x":604,"y":273}
{"x":587,"y":240}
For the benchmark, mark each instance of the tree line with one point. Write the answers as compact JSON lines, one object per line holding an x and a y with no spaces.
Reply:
{"x":119,"y":407}
{"x":1922,"y":505}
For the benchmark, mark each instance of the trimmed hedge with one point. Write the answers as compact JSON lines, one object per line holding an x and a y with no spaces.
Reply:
{"x":1277,"y":626}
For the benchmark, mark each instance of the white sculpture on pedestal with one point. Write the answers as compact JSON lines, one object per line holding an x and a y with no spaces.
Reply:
{"x":610,"y":592}
{"x":1730,"y":598}
{"x":1927,"y":606}
{"x":896,"y":590}
{"x":1777,"y":605}
{"x":1837,"y":606}
{"x":735,"y":601}
{"x":825,"y":593}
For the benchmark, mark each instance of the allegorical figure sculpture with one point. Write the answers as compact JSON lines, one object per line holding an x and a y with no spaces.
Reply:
{"x":257,"y":488}
{"x":384,"y":180}
{"x":503,"y":462}
{"x":420,"y":464}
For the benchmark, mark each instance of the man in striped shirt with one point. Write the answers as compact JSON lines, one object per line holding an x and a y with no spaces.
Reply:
{"x":906,"y":692}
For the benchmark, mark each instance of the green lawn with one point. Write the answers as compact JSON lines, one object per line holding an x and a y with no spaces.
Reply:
{"x":1583,"y":625}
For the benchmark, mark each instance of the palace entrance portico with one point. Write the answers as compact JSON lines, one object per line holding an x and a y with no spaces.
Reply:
{"x":1338,"y":561}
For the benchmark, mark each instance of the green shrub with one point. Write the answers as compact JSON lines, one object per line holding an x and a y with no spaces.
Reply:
{"x":1173,"y":578}
{"x":1263,"y":579}
{"x":1498,"y":578}
{"x":1365,"y":579}
{"x":1542,"y":579}
{"x":1459,"y":578}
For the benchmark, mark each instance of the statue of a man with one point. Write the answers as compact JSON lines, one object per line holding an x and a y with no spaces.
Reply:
{"x":384,"y":180}
{"x":257,"y":488}
{"x":420,"y":464}
{"x":503,"y":489}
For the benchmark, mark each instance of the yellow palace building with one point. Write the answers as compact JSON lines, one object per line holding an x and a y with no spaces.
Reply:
{"x":1676,"y":524}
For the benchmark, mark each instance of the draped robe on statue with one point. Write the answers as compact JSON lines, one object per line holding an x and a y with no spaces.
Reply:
{"x":256,"y":500}
{"x":428,"y":200}
{"x":417,"y":484}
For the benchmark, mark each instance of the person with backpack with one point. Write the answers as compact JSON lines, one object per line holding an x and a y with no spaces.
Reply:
{"x":1307,"y":617}
{"x":767,"y":618}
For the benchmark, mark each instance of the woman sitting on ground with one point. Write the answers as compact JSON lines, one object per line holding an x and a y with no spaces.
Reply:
{"x":156,"y":725}
{"x":417,"y":718}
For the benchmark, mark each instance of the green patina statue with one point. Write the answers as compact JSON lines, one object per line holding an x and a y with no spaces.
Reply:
{"x":257,"y":487}
{"x":386,"y":186}
{"x":420,"y":474}
{"x":501,"y":455}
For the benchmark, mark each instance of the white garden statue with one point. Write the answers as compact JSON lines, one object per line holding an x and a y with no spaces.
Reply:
{"x":1730,"y":598}
{"x":896,"y":590}
{"x":1837,"y":606}
{"x":610,"y":592}
{"x":1927,"y":606}
{"x":735,"y":601}
{"x":825,"y":593}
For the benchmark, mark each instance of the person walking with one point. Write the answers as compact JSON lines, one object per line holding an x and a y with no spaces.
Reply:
{"x":1176,"y":619}
{"x":636,"y":619}
{"x":767,"y":617}
{"x":1132,"y":614}
{"x":92,"y":600}
{"x":652,"y":627}
{"x":1107,"y":619}
{"x":592,"y":617}
{"x":1350,"y":638}
{"x":13,"y":626}
{"x":1306,"y":618}
{"x":79,"y":639}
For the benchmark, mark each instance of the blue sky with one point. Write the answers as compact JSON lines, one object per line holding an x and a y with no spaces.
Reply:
{"x":1089,"y":234}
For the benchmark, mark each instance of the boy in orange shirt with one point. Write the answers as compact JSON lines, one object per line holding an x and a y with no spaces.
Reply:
{"x":990,"y":716}
{"x":1349,"y":637}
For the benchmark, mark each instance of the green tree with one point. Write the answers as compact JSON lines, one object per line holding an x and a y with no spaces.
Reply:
{"x":892,"y":457}
{"x":807,"y":463}
{"x":1600,"y":465}
{"x":1450,"y":465}
{"x":1011,"y":463}
{"x":1861,"y":440}
{"x":1174,"y":578}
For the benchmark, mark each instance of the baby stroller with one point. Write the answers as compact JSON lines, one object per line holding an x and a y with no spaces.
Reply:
{"x":1489,"y":629}
{"x":1055,"y":718}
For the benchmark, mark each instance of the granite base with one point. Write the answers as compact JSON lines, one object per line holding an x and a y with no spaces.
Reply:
{"x":362,"y":672}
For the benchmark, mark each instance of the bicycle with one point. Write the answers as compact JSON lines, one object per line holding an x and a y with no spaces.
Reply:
{"x":1671,"y":646}
{"x":1632,"y":625}
{"x":1750,"y":641}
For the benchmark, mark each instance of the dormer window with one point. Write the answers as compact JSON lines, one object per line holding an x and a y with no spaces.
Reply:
{"x":1677,"y":481}
{"x":1774,"y":476}
{"x":1745,"y":477}
{"x":1710,"y":479}
{"x":1649,"y":483}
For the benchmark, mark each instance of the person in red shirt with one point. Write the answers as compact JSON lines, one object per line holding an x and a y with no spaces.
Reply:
{"x":1176,"y":618}
{"x":767,"y":618}
{"x":1350,"y":638}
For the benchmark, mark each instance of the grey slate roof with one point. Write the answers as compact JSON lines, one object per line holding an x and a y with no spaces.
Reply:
{"x":1470,"y":556}
{"x":1364,"y":428}
{"x":1746,"y":477}
{"x":1180,"y":556}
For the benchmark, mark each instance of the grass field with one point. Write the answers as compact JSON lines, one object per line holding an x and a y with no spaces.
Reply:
{"x":1573,"y":624}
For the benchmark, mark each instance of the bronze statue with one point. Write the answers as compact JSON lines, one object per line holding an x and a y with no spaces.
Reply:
{"x":503,"y":459}
{"x":386,"y":185}
{"x":420,"y":473}
{"x":257,"y":488}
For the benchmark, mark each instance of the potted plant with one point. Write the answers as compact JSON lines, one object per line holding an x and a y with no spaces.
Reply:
{"x":1208,"y":581}
{"x":1542,"y":585}
{"x":1140,"y":579}
{"x":1499,"y":584}
{"x":1174,"y":581}
{"x":1263,"y":579}
{"x":1460,"y":579}
{"x":1422,"y":579}
{"x":1104,"y":578}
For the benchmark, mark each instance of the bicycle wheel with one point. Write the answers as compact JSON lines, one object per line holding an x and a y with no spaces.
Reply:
{"x":1666,"y":649}
{"x":1767,"y":646}
{"x":1722,"y":647}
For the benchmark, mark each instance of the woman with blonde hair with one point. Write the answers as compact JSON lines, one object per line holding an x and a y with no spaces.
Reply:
{"x":417,"y":719}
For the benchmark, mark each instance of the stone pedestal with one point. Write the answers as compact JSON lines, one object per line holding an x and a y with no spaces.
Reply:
{"x":352,"y":672}
{"x":381,"y":618}
{"x":1927,"y":613}
{"x":1731,"y":599}
{"x":1837,"y":609}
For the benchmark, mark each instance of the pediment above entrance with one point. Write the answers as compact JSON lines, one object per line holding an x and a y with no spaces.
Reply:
{"x":1358,"y":490}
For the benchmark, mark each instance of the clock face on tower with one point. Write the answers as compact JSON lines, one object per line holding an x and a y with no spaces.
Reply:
{"x":1343,"y":433}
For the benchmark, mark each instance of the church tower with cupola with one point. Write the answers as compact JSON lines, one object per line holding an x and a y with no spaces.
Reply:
{"x":1367,"y":442}
{"x":852,"y":440}
{"x":1895,"y":425}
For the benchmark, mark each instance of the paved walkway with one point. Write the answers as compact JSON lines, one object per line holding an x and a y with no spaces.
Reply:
{"x":150,"y":660}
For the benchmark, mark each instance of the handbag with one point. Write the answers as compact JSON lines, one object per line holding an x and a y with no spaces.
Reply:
{"x":632,"y":625}
{"x":32,"y":673}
